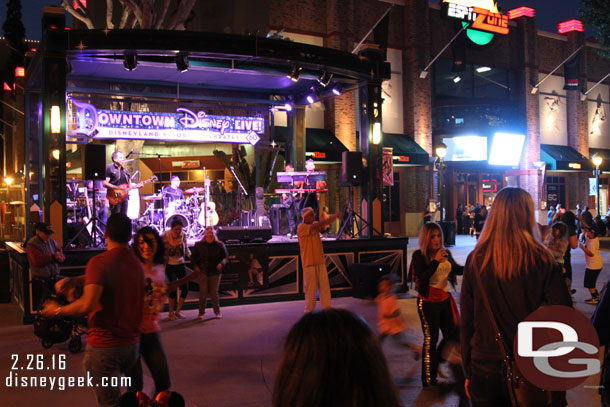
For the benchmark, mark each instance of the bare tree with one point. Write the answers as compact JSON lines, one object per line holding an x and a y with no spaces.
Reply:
{"x":139,"y":14}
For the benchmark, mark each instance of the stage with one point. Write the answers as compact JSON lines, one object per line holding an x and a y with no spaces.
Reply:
{"x":279,"y":265}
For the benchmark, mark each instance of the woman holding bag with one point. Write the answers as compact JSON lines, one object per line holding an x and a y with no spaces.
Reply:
{"x":508,"y":275}
{"x":434,"y":270}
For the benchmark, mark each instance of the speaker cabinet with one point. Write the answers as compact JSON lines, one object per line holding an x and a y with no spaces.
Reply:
{"x":365,"y":278}
{"x":243,"y":234}
{"x":279,"y":220}
{"x":94,"y":161}
{"x":351,"y":168}
{"x":74,"y":228}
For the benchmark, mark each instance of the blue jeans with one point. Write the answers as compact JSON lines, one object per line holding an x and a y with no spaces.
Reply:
{"x":151,"y":350}
{"x":108,"y":362}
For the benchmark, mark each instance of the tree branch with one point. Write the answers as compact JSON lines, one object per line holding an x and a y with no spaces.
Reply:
{"x":137,"y":11}
{"x":109,"y":9}
{"x":81,"y":16}
{"x":147,"y":15}
{"x":162,"y":14}
{"x":124,"y":18}
{"x":183,"y":9}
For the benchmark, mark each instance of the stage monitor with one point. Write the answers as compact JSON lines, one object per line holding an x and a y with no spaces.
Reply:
{"x":466,"y":148}
{"x":506,"y":149}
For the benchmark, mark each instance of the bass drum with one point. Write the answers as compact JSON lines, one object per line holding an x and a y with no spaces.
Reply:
{"x":183,"y":219}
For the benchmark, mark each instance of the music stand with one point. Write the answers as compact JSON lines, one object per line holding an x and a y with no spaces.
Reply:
{"x":352,"y":216}
{"x":96,"y":232}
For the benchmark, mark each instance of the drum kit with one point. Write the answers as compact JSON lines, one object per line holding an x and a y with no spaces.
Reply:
{"x":188,"y":211}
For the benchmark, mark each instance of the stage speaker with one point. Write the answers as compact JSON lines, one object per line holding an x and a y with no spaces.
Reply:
{"x":279,"y":220}
{"x":243,"y":233}
{"x":365,"y":278}
{"x":72,"y":229}
{"x":351,"y":168}
{"x":94,"y":161}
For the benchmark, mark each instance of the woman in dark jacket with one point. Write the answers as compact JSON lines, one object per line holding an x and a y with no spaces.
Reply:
{"x":434,"y":268}
{"x":518,"y":274}
{"x":209,"y":257}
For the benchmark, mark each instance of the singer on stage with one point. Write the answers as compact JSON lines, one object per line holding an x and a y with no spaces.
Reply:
{"x":117,"y":177}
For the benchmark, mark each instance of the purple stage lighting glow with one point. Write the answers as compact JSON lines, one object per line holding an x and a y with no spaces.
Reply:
{"x":288,"y":107}
{"x":310,"y":99}
{"x":336,"y":89}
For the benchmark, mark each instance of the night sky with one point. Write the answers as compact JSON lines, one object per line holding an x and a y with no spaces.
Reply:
{"x":548,"y":12}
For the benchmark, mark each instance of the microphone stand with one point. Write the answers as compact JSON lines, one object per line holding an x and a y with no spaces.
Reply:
{"x":242,"y":190}
{"x":160,"y":181}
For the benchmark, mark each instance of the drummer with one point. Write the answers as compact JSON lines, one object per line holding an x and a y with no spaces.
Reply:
{"x":173,"y":195}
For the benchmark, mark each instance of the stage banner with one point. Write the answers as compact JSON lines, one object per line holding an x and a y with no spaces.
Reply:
{"x":247,"y":268}
{"x":85,"y":120}
{"x":388,"y":166}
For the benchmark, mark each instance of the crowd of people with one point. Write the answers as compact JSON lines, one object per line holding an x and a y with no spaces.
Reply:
{"x":516,"y":266}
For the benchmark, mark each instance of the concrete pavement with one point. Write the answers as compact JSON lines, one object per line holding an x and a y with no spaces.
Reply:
{"x":231,"y":362}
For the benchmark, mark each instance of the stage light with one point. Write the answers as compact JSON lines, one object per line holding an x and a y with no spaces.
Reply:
{"x":457,"y":79}
{"x":482,"y":69}
{"x":376,"y":133}
{"x":288,"y":107}
{"x":310,"y":99}
{"x":325,"y":79}
{"x":130,"y":62}
{"x":55,"y":119}
{"x":182,"y":62}
{"x":337,"y":89}
{"x":295,"y":73}
{"x":55,"y":154}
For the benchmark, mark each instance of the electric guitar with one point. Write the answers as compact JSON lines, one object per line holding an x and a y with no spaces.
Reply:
{"x":117,"y":195}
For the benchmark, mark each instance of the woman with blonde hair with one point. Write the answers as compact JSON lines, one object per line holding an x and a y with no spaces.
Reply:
{"x":433,"y":269}
{"x":512,"y":268}
{"x":209,"y":257}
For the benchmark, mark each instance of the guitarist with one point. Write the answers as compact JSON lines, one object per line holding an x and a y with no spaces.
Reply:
{"x":116,"y":176}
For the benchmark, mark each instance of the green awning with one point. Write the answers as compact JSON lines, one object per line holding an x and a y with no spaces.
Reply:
{"x":563,"y":158}
{"x":406,"y":150}
{"x":320,"y":144}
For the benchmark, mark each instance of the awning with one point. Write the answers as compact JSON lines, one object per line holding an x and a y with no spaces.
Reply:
{"x":406,"y":150}
{"x":320,"y":144}
{"x":563,"y":158}
{"x":605,"y":154}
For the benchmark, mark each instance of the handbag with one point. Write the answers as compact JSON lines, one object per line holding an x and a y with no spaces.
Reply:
{"x":520,"y":391}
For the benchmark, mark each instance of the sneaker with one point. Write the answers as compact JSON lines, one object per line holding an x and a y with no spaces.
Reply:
{"x":442,"y":374}
{"x":199,"y":317}
{"x":179,"y":315}
{"x":592,"y":300}
{"x":218,"y":315}
{"x":573,"y":290}
{"x":171,"y":317}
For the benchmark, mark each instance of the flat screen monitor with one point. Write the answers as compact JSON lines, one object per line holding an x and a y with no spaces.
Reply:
{"x":506,"y":149}
{"x":466,"y":148}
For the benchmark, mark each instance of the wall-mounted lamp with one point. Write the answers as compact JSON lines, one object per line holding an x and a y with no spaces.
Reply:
{"x":130,"y":62}
{"x":535,"y":88}
{"x":295,"y":73}
{"x":55,"y":119}
{"x":8,"y":181}
{"x":441,"y":151}
{"x":55,"y":154}
{"x":583,"y":96}
{"x":376,"y":133}
{"x":182,"y":62}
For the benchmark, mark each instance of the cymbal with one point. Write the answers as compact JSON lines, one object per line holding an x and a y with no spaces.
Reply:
{"x":194,"y":190}
{"x":153,"y":198}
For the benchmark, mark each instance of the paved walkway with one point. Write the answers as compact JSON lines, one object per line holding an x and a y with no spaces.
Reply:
{"x":231,"y":362}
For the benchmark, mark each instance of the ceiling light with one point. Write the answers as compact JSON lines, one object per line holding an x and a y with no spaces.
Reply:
{"x":295,"y":73}
{"x":457,"y":79}
{"x":483,"y":69}
{"x":325,"y":79}
{"x":336,"y":89}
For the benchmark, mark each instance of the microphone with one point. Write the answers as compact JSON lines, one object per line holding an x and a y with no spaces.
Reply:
{"x":231,"y":168}
{"x":130,"y":153}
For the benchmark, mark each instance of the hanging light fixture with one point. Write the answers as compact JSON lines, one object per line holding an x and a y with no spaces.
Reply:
{"x":295,"y":73}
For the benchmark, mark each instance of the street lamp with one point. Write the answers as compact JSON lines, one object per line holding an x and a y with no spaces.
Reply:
{"x":441,"y":152}
{"x":597,"y":161}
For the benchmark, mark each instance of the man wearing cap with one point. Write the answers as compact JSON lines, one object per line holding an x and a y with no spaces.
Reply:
{"x":44,"y":257}
{"x":312,"y":257}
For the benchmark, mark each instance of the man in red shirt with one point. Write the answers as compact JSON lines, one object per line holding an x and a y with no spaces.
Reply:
{"x":113,"y":297}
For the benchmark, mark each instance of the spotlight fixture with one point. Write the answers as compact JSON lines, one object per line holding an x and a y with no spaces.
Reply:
{"x":130,"y":62}
{"x":310,"y":98}
{"x":288,"y":106}
{"x":325,"y":78}
{"x":295,"y":73}
{"x":336,"y":89}
{"x":182,"y":62}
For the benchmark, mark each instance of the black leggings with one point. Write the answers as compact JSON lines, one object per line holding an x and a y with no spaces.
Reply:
{"x":173,"y":273}
{"x":151,"y":350}
{"x":434,"y":316}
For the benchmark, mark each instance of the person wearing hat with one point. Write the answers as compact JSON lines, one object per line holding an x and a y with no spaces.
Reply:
{"x":312,"y":257}
{"x":44,"y":257}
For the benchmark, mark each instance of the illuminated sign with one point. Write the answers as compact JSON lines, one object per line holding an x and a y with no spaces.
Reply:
{"x":20,"y":72}
{"x":481,"y":15}
{"x":187,"y":164}
{"x":570,"y":25}
{"x":319,"y":154}
{"x":184,"y":125}
{"x":404,"y":158}
{"x":575,"y":166}
{"x":521,"y":12}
